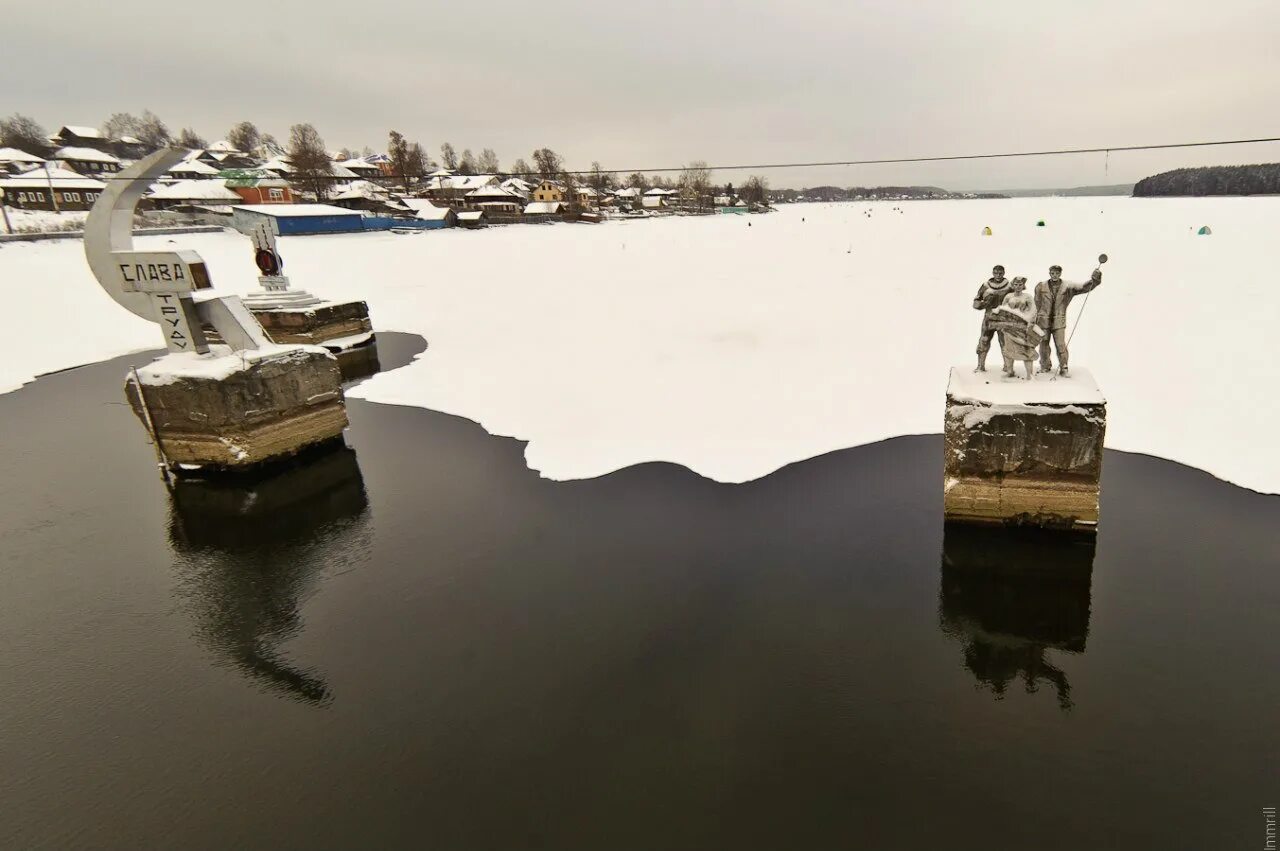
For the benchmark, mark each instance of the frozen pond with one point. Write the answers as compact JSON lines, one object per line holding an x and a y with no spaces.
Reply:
{"x":419,"y":642}
{"x":735,"y":345}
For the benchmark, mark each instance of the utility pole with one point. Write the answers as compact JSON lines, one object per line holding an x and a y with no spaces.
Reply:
{"x":54,"y":195}
{"x":4,"y":208}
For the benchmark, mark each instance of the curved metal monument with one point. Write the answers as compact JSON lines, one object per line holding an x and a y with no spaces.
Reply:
{"x":234,"y":405}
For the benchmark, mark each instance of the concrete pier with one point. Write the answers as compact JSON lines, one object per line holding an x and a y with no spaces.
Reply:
{"x":1024,"y":452}
{"x":233,"y":411}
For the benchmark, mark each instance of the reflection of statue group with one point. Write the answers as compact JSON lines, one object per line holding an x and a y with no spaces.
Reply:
{"x":1023,"y":323}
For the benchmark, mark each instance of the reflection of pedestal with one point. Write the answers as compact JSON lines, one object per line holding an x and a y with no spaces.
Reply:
{"x":251,"y":552}
{"x":239,"y":410}
{"x":1010,"y":595}
{"x":1024,"y":452}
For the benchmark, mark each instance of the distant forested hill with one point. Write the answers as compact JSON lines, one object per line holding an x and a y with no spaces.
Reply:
{"x":1262,"y":179}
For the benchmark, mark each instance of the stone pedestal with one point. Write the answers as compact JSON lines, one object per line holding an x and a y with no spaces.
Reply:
{"x":237,"y":411}
{"x":342,"y":327}
{"x":1024,"y":452}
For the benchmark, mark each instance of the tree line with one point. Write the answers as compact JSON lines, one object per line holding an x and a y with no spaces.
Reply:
{"x":1260,"y":179}
{"x":408,"y":161}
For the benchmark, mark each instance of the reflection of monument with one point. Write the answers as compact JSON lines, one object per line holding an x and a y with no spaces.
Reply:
{"x":1011,"y":595}
{"x":251,"y":552}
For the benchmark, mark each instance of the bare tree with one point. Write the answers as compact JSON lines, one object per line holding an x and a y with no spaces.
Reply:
{"x":244,"y":137}
{"x":189,"y":138}
{"x":152,"y":131}
{"x":570,"y":181}
{"x":366,"y":151}
{"x":398,"y":153}
{"x":467,"y":163}
{"x":22,"y":132}
{"x":756,"y":190}
{"x":122,"y":124}
{"x":520,"y":168}
{"x":601,"y":180}
{"x":488,"y":162}
{"x":547,"y":162}
{"x":310,"y":160}
{"x":416,"y":161}
{"x":448,"y":157}
{"x":637,"y":181}
{"x":695,"y":182}
{"x":346,"y":154}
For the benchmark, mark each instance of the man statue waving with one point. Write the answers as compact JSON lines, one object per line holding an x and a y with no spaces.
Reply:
{"x":1052,"y":299}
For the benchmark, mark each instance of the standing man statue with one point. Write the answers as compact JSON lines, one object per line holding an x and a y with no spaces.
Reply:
{"x":1052,"y":299}
{"x":990,"y":295}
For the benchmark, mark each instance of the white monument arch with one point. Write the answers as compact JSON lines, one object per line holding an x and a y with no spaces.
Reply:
{"x":170,"y":288}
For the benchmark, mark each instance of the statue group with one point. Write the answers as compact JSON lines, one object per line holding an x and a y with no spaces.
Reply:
{"x":1024,"y":322}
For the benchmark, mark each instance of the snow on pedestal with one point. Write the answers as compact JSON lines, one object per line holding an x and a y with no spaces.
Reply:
{"x":1024,"y":452}
{"x":234,"y":410}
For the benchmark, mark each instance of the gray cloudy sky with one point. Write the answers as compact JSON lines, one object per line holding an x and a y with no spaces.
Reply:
{"x":650,"y":83}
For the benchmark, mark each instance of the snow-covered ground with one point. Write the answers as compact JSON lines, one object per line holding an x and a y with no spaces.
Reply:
{"x":45,"y":220}
{"x":736,"y":344}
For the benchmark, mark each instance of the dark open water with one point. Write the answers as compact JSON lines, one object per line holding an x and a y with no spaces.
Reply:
{"x":418,"y":642}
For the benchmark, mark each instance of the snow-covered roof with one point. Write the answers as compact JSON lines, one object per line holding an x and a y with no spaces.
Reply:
{"x":629,"y":192}
{"x":131,"y":140}
{"x":297,"y":209}
{"x":499,"y":192}
{"x":357,"y":165}
{"x":441,"y":172}
{"x":655,"y":192}
{"x":517,"y":183}
{"x":471,"y":216}
{"x":193,"y":167}
{"x":462,"y":182}
{"x":13,"y":155}
{"x":588,"y":191}
{"x":425,"y":209}
{"x":246,"y":177}
{"x":340,"y":171}
{"x":195,"y":190}
{"x":223,"y":146}
{"x":84,"y":155}
{"x":535,"y":208}
{"x":651,"y":200}
{"x":358,"y":189}
{"x":274,"y":164}
{"x":60,"y":178}
{"x":81,"y":131}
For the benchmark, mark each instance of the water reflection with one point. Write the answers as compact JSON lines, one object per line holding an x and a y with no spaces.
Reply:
{"x":251,"y":553}
{"x":1011,"y":595}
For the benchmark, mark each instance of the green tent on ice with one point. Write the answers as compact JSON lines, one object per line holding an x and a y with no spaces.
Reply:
{"x":1204,"y":231}
{"x":1040,"y":223}
{"x":986,"y":231}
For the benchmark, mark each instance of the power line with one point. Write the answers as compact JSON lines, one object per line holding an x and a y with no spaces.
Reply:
{"x":834,"y":163}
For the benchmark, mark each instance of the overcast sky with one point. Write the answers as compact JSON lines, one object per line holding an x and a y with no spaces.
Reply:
{"x":651,"y":83}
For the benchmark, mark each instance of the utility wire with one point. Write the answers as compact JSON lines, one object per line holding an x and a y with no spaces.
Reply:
{"x":828,"y":164}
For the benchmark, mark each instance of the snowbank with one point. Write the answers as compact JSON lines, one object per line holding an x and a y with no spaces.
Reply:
{"x":735,"y":350}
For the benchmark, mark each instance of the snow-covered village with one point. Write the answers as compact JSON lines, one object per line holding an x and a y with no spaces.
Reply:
{"x":789,"y":429}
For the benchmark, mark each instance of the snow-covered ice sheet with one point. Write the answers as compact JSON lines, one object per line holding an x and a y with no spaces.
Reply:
{"x":737,"y":344}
